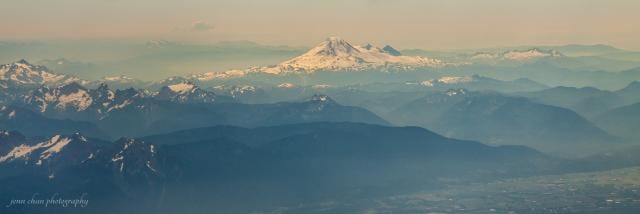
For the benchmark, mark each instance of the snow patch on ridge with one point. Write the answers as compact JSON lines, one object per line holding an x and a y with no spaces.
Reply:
{"x":52,"y":146}
{"x":81,"y":99}
{"x":181,"y":88}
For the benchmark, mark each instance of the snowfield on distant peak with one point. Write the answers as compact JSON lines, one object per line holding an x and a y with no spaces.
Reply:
{"x":51,"y":146}
{"x":334,"y":54}
{"x":181,"y":88}
{"x":24,"y":73}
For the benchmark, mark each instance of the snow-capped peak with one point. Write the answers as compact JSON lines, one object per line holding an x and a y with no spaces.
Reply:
{"x":75,"y":98}
{"x":182,"y":88}
{"x":23,"y":73}
{"x":333,"y":54}
{"x":68,"y":97}
{"x":336,"y":54}
{"x":186,"y":92}
{"x":334,"y":46}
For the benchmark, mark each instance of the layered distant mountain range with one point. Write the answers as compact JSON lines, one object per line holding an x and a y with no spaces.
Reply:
{"x":517,"y":107}
{"x":599,"y":66}
{"x":312,"y":127}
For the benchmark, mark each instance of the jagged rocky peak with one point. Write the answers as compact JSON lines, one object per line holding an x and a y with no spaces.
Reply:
{"x":187,"y":92}
{"x":102,"y":94}
{"x":71,"y":87}
{"x":103,"y":87}
{"x":76,"y":98}
{"x":391,"y":51}
{"x":71,"y":96}
{"x":23,"y":61}
{"x":130,"y":92}
{"x":24,"y":64}
{"x":23,"y":73}
{"x":335,"y":46}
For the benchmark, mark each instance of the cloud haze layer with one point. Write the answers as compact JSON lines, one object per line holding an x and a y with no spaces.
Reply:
{"x":405,"y":23}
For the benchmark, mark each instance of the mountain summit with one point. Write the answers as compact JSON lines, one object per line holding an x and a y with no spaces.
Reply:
{"x":22,"y":73}
{"x":334,"y":46}
{"x":391,"y":50}
{"x":336,"y":54}
{"x":188,"y":92}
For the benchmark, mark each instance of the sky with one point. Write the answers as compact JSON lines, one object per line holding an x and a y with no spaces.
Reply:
{"x":425,"y":24}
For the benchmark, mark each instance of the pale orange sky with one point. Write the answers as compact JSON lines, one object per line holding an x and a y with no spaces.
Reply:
{"x":427,"y":24}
